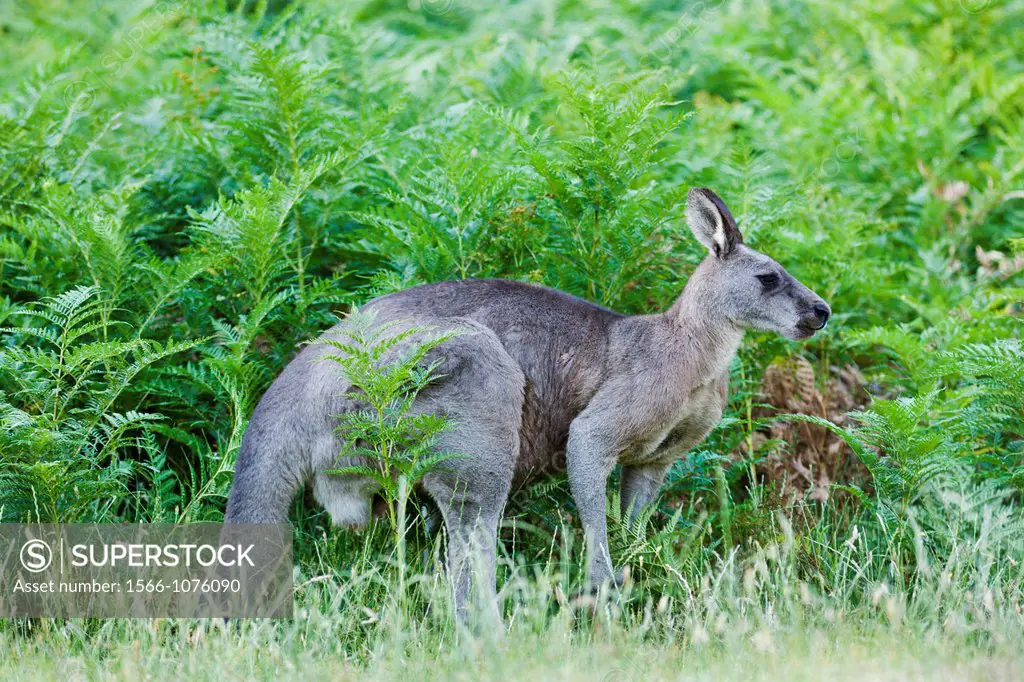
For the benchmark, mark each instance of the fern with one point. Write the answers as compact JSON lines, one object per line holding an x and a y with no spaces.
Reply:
{"x":64,"y":444}
{"x":171,"y":233}
{"x":385,"y":364}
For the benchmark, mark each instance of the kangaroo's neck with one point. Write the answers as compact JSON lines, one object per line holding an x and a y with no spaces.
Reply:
{"x":708,"y":340}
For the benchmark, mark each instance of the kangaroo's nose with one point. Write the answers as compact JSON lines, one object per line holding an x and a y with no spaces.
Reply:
{"x":823,"y":312}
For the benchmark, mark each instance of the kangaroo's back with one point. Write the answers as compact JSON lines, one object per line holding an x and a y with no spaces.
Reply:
{"x":559,"y":341}
{"x":499,"y":304}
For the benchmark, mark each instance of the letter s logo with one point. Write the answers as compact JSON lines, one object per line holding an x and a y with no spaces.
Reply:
{"x":36,"y":556}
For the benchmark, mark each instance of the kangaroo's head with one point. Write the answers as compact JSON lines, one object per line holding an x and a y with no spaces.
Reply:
{"x":748,"y":288}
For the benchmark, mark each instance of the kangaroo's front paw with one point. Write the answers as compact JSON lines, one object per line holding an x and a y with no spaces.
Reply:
{"x":589,"y":594}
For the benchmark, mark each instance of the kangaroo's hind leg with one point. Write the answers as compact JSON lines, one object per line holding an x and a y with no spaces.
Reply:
{"x":481,"y":392}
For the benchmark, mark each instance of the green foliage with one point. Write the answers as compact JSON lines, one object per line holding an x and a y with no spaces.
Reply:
{"x":400,"y":443}
{"x":388,"y":441}
{"x":63,"y":439}
{"x":189,"y":190}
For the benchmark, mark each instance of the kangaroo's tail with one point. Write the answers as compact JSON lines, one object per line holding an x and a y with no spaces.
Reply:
{"x":262,"y":492}
{"x":271,"y":467}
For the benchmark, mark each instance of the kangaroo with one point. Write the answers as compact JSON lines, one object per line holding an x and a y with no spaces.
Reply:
{"x":545,"y":382}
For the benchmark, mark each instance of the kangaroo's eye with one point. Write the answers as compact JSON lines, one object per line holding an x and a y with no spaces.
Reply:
{"x":769,"y":281}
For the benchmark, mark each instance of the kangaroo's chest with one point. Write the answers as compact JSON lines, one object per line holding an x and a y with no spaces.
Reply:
{"x":698,"y":413}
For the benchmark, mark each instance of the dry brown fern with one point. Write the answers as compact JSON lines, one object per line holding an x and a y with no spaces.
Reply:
{"x":810,"y":458}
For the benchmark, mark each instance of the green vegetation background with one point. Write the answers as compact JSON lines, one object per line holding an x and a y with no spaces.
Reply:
{"x":190,"y":189}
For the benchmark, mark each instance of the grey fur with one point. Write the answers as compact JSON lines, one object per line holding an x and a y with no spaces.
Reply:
{"x":546,"y":383}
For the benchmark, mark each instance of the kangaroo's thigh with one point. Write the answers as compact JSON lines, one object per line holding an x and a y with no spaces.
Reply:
{"x":481,"y":394}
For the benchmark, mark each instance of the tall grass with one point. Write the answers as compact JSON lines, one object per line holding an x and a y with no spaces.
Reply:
{"x":752,"y":616}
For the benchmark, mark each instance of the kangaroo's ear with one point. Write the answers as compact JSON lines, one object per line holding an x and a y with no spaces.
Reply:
{"x":711,"y":222}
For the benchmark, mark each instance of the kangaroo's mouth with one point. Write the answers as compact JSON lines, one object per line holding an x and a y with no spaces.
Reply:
{"x":805,"y":330}
{"x":807,"y":327}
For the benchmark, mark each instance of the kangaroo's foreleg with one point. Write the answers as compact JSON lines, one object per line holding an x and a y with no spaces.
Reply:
{"x":590,"y":457}
{"x":639,"y":487}
{"x":608,"y":426}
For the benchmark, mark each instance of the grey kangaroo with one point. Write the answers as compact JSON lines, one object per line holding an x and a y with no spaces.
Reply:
{"x":544,"y":382}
